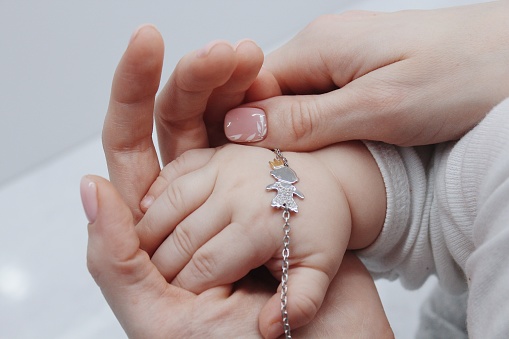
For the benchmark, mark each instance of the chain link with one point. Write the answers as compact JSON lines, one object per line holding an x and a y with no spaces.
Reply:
{"x":284,"y":276}
{"x":279,"y":155}
{"x":286,"y":260}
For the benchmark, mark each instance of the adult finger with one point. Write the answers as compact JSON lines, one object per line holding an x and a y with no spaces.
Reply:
{"x":305,"y":121}
{"x":249,"y":60}
{"x":331,"y":63}
{"x":182,"y":102}
{"x":124,"y":273}
{"x":369,"y":108}
{"x":384,"y":88}
{"x":127,"y":132}
{"x":382,"y":105}
{"x":292,"y":123}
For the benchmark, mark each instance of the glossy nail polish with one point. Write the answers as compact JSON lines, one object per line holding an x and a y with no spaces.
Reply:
{"x":245,"y":124}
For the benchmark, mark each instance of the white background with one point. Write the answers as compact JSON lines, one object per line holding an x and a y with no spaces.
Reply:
{"x":56,"y":63}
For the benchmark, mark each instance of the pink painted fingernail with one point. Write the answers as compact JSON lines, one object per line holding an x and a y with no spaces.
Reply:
{"x":88,"y":191}
{"x":245,"y":124}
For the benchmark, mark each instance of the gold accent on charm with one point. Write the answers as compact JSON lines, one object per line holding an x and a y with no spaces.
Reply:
{"x":277,"y":163}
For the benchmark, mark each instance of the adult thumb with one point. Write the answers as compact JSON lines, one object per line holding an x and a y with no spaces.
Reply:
{"x":114,"y":258}
{"x":292,"y":123}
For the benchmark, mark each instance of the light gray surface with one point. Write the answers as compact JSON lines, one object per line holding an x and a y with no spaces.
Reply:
{"x":58,"y":57}
{"x":56,"y":63}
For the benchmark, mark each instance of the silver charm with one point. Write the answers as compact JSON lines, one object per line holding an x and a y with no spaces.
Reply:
{"x":285,"y":177}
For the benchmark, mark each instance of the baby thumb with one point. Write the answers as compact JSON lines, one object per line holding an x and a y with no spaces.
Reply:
{"x":303,"y":302}
{"x":292,"y":123}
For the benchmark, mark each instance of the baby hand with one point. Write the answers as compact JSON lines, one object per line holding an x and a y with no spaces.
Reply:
{"x":214,"y":218}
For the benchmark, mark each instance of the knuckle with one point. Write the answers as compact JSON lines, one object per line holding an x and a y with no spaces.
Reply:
{"x":185,"y":82}
{"x":185,"y":161}
{"x":302,"y":116}
{"x":93,"y":268}
{"x":175,"y":166}
{"x":204,"y":265}
{"x":160,"y":184}
{"x":147,"y":232}
{"x":306,"y":307}
{"x":126,"y":268}
{"x":323,"y":20}
{"x":176,"y":196}
{"x":183,"y":241}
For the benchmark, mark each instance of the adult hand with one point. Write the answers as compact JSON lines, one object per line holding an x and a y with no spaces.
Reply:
{"x":149,"y":307}
{"x":407,"y":78}
{"x":188,"y":112}
{"x":145,"y":304}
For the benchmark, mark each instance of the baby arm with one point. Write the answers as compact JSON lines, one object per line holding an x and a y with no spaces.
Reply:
{"x":215,"y":214}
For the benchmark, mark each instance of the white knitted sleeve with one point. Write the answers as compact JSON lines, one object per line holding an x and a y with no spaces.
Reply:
{"x":402,"y":250}
{"x":451,"y":219}
{"x":476,"y":221}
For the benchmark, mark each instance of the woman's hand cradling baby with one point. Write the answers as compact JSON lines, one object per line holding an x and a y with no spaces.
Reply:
{"x":215,"y":214}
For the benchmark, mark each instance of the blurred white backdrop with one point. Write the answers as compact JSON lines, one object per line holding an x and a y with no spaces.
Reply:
{"x":56,"y":63}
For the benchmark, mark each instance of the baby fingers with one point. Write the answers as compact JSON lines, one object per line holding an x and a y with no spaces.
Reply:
{"x":180,"y":198}
{"x":184,"y":164}
{"x":197,"y":260}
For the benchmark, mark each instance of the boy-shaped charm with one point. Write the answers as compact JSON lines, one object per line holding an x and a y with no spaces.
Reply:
{"x":285,"y":177}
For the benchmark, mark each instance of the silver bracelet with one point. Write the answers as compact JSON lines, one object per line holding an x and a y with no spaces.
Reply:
{"x":285,"y":177}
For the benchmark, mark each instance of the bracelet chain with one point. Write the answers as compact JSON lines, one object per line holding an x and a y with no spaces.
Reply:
{"x":284,"y":276}
{"x":286,"y":260}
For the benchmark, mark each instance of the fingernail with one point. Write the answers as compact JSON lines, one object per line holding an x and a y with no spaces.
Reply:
{"x":208,"y":47}
{"x":240,"y":42}
{"x":245,"y":124}
{"x":146,"y":202}
{"x":88,"y":191}
{"x":137,"y":30}
{"x":275,"y":330}
{"x":135,"y":33}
